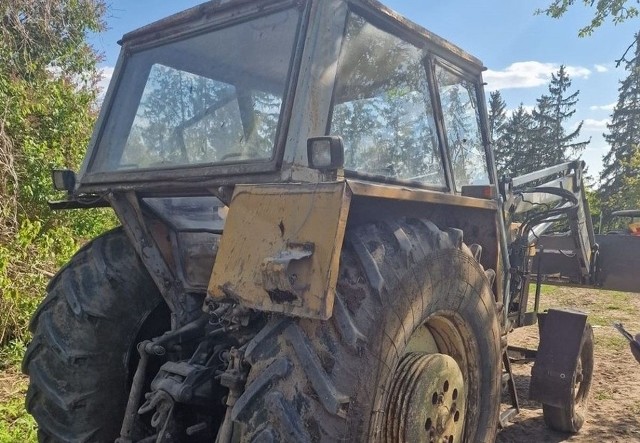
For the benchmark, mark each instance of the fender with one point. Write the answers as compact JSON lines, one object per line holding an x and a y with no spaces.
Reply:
{"x":552,"y":375}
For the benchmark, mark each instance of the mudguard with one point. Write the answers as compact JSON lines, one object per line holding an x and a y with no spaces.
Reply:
{"x":552,"y":376}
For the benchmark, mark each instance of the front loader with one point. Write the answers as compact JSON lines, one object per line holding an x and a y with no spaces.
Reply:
{"x":314,"y":243}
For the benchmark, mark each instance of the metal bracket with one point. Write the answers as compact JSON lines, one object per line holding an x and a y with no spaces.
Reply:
{"x":279,"y":278}
{"x":127,"y":207}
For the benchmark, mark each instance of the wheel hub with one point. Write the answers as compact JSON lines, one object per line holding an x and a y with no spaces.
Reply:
{"x":427,"y":400}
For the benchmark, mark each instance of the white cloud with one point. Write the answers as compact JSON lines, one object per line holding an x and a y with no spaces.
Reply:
{"x":576,"y":71}
{"x":106,"y":73}
{"x":591,"y":124}
{"x":601,"y":68}
{"x":608,"y":107}
{"x":529,"y":74}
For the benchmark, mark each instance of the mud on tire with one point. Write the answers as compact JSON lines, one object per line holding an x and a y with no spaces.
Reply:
{"x":328,"y":380}
{"x":97,"y":308}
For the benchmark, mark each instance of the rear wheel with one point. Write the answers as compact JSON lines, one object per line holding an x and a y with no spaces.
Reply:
{"x":411,"y":352}
{"x":571,"y":417}
{"x":98,"y":307}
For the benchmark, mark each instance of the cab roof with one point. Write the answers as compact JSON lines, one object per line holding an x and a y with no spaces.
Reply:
{"x":199,"y":16}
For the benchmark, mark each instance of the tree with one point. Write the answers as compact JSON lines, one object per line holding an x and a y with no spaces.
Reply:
{"x":629,"y":195}
{"x":497,"y":115}
{"x":525,"y":141}
{"x":617,"y":11}
{"x":618,"y":182}
{"x":516,"y":154}
{"x":552,"y":113}
{"x":48,"y":75}
{"x":497,"y":121}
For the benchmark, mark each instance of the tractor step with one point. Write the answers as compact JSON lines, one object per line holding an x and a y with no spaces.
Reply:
{"x":507,"y":378}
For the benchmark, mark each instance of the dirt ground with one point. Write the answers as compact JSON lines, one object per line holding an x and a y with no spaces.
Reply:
{"x":614,"y":404}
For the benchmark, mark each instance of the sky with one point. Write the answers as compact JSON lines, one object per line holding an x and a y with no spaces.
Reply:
{"x":519,"y":48}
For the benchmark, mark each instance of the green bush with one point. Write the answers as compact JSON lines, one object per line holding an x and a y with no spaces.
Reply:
{"x":48,"y":76}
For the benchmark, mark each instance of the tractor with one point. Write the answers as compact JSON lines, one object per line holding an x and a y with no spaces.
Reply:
{"x":314,"y":246}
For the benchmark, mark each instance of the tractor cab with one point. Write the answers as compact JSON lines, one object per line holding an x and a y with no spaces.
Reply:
{"x":238,"y":92}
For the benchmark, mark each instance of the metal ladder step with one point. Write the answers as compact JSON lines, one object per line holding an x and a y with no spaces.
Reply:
{"x":507,"y":377}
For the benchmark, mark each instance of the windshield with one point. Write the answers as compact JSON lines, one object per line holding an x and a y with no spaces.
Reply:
{"x":212,"y":98}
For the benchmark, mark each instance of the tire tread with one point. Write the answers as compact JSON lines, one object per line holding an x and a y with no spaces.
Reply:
{"x":77,"y":360}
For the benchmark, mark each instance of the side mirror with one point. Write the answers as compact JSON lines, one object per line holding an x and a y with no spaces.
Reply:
{"x":325,"y":153}
{"x":63,"y":180}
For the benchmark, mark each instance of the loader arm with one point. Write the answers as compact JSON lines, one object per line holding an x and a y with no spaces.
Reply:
{"x":552,"y":239}
{"x":548,"y":198}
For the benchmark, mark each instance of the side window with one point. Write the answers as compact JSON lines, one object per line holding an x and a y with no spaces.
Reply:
{"x":382,"y":107}
{"x":462,"y":127}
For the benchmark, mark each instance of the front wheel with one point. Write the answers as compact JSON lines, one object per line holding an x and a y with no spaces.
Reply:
{"x":98,"y":307}
{"x":412,"y":352}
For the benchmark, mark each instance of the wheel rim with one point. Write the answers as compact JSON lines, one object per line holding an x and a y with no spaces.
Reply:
{"x":581,"y":384}
{"x":427,"y":400}
{"x":433,"y":365}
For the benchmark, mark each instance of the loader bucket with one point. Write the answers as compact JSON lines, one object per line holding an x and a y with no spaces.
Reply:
{"x":617,"y":265}
{"x":619,"y":262}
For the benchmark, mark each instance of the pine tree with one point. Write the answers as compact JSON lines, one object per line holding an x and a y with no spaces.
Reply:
{"x":515,"y":155}
{"x":497,"y":119}
{"x":623,"y":138}
{"x":552,"y":113}
{"x":497,"y":127}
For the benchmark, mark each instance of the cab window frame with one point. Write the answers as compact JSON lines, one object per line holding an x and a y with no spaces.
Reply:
{"x":417,"y":40}
{"x":435,"y":61}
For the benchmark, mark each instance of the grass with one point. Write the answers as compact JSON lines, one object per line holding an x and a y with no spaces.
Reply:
{"x":16,"y":425}
{"x":611,"y":342}
{"x":602,"y":395}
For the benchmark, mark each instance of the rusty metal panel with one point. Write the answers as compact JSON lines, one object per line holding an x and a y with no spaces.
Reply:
{"x":280,"y":249}
{"x":406,"y":193}
{"x":552,"y":375}
{"x":618,"y":261}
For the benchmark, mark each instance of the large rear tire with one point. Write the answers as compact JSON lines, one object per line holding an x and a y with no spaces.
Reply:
{"x":80,"y":361}
{"x":409,"y":296}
